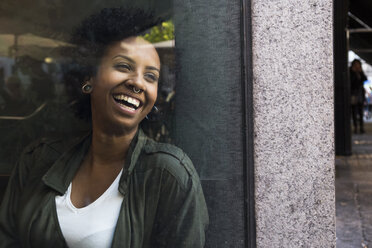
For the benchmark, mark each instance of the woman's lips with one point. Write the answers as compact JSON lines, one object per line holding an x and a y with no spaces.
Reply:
{"x":127,"y":104}
{"x":127,"y":99}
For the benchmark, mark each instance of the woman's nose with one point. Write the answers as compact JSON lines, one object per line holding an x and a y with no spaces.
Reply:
{"x":136,"y":83}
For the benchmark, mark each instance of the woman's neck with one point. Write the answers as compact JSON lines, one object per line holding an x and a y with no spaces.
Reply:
{"x":109,"y":149}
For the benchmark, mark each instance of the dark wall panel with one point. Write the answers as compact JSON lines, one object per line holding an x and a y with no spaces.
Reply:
{"x":209,"y":110}
{"x":342,"y":87}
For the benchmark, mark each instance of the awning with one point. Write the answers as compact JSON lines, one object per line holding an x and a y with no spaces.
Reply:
{"x":55,"y":19}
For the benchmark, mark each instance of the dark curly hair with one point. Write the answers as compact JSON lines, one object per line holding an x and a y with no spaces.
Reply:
{"x":92,"y":37}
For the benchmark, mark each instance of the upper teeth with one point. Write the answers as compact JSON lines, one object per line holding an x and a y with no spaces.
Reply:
{"x":129,"y":99}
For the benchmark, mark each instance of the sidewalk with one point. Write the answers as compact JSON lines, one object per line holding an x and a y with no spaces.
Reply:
{"x":354,"y":194}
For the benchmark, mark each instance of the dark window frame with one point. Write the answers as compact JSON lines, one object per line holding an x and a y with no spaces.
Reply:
{"x":248,"y":134}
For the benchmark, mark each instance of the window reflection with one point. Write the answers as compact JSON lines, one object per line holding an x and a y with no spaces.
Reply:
{"x":160,"y":124}
{"x":37,"y":85}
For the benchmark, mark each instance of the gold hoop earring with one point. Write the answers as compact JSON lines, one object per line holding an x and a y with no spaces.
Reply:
{"x":87,"y":88}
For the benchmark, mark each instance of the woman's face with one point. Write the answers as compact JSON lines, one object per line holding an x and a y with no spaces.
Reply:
{"x":357,"y":67}
{"x":130,"y":64}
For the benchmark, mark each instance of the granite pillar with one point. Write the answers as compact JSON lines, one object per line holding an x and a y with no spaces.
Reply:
{"x":293,"y":123}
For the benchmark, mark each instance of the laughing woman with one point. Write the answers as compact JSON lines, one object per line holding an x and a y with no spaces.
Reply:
{"x":114,"y":187}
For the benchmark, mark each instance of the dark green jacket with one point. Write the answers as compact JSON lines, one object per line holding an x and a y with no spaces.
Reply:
{"x":163,"y":202}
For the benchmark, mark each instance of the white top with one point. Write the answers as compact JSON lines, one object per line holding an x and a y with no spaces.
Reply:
{"x":91,"y":226}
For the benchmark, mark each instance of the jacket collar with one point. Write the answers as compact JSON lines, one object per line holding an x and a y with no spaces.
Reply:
{"x":133,"y":154}
{"x":61,"y":173}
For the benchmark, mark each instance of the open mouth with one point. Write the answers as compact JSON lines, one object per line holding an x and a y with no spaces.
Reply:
{"x":127,"y":101}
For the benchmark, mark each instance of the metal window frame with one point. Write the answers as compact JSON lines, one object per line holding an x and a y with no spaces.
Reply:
{"x":248,"y":134}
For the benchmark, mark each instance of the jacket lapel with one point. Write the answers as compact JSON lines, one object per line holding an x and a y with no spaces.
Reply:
{"x":61,"y":173}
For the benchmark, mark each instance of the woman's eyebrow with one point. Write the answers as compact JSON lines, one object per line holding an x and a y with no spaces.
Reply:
{"x":133,"y":62}
{"x":125,"y":57}
{"x":152,"y":68}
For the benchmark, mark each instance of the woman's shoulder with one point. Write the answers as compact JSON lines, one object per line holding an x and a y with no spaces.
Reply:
{"x":154,"y":147}
{"x":40,"y":148}
{"x":170,"y":158}
{"x":47,"y":146}
{"x":43,"y":152}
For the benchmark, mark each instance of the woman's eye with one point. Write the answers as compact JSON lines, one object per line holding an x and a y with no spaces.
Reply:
{"x":151,"y":77}
{"x":123,"y":67}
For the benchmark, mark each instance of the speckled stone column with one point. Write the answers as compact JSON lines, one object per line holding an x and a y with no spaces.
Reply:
{"x":293,"y":116}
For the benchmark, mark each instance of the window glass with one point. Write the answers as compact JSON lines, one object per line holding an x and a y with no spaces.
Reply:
{"x":159,"y":124}
{"x":37,"y":81}
{"x":41,"y":79}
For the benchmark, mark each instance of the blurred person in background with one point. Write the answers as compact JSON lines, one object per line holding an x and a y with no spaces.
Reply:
{"x":357,"y":78}
{"x":13,"y":96}
{"x":41,"y":86}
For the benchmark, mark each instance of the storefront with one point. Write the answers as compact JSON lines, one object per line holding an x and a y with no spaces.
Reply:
{"x":232,"y":98}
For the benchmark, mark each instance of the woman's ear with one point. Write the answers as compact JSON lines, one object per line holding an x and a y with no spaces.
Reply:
{"x":88,"y":79}
{"x":87,"y":85}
